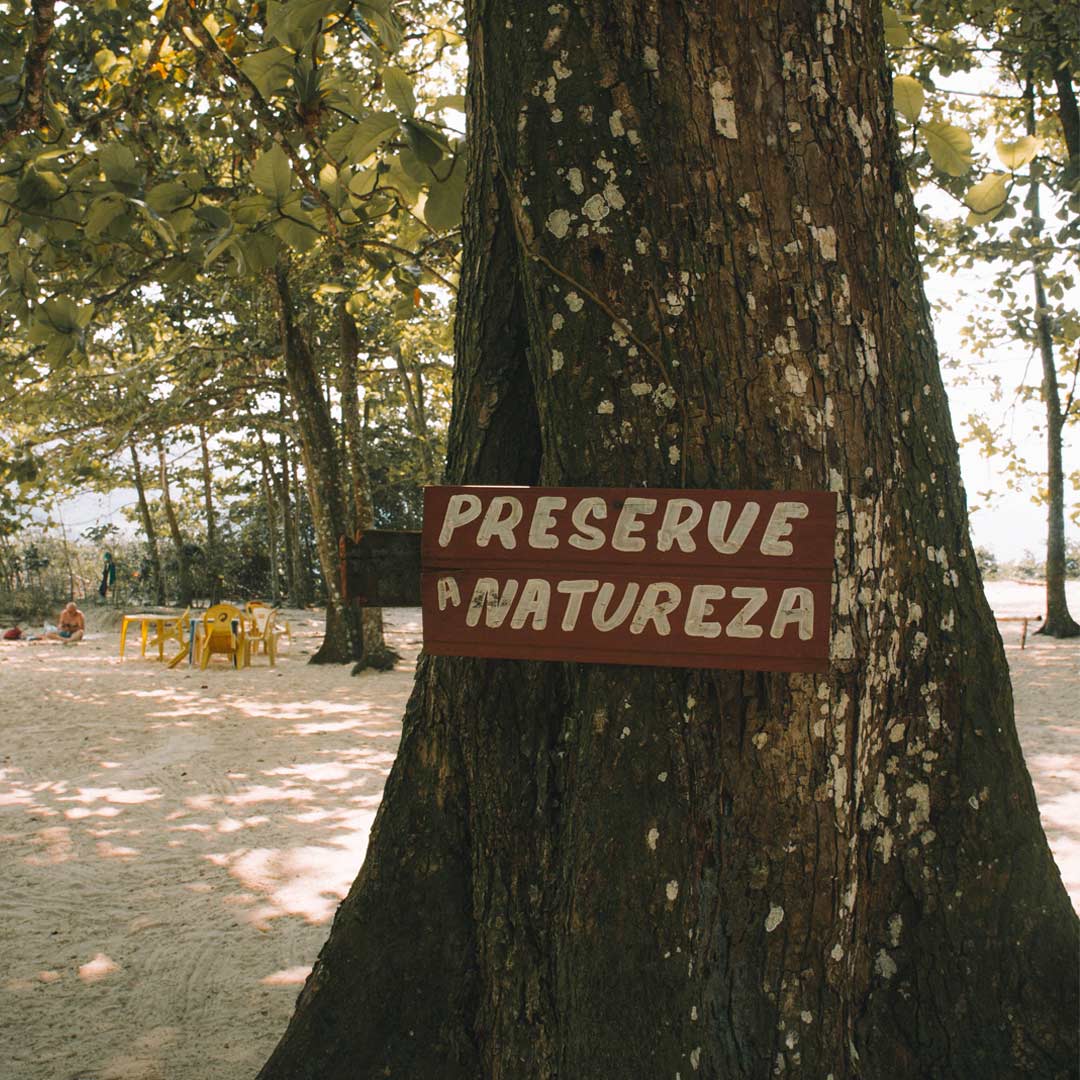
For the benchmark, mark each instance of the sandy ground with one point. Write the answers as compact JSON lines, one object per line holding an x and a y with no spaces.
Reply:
{"x":173,"y":844}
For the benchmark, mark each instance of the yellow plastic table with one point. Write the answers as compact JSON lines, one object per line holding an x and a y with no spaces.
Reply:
{"x":145,"y":621}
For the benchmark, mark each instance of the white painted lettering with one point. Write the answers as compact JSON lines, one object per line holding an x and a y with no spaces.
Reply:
{"x":653,"y":609}
{"x":588,"y":537}
{"x":460,"y":510}
{"x":448,"y":593}
{"x":796,"y":606}
{"x":718,"y":526}
{"x":486,"y":597}
{"x":543,"y":522}
{"x":780,"y":526}
{"x":701,"y":602}
{"x":495,"y":524}
{"x":534,"y":602}
{"x":600,"y":618}
{"x":677,"y":525}
{"x":740,"y":626}
{"x":628,"y":524}
{"x":575,"y":591}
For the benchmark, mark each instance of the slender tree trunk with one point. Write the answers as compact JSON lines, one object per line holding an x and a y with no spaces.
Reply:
{"x":213,"y":554}
{"x":152,"y":550}
{"x":303,"y":560}
{"x":1059,"y":622}
{"x":184,"y":583}
{"x":343,"y":641}
{"x":288,"y":522}
{"x":689,"y":260}
{"x":270,"y":501}
{"x":414,"y":403}
{"x":376,"y":653}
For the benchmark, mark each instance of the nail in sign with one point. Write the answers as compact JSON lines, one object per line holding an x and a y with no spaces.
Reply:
{"x":663,"y":577}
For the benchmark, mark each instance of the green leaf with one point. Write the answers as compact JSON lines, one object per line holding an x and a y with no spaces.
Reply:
{"x":442,"y":210}
{"x":949,"y":147}
{"x":399,"y":89}
{"x":404,"y":184}
{"x":298,"y":236}
{"x":272,"y":174}
{"x":908,"y":97}
{"x":987,"y":198}
{"x":1014,"y":155}
{"x":167,"y":197}
{"x":449,"y":101}
{"x":261,"y":250}
{"x":251,"y":209}
{"x":118,"y":164}
{"x":377,"y":15}
{"x":426,"y":142}
{"x":896,"y":33}
{"x":104,"y":60}
{"x":369,"y":134}
{"x":292,"y":22}
{"x":103,"y":212}
{"x":415,"y":167}
{"x":270,"y":70}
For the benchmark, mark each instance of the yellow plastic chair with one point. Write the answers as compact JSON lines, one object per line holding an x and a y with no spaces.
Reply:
{"x":223,"y":634}
{"x":172,"y":629}
{"x":265,"y":636}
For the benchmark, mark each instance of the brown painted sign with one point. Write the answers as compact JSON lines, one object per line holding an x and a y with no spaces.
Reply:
{"x":670,"y":578}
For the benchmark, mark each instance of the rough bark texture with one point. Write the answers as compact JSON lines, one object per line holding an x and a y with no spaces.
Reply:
{"x":343,"y":639}
{"x":689,"y":254}
{"x":153,"y":553}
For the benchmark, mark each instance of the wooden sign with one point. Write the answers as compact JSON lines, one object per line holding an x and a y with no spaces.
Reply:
{"x":670,"y":578}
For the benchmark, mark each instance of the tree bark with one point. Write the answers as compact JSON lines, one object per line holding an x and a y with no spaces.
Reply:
{"x":343,"y":640}
{"x":690,"y":261}
{"x":185,"y":588}
{"x":152,"y":551}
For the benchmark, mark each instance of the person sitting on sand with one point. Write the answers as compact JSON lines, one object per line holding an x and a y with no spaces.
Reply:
{"x":71,"y":625}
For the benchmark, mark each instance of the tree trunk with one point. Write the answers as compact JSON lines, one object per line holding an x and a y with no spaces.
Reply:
{"x":303,"y":559}
{"x":1059,"y":622}
{"x":376,"y":653}
{"x":690,"y":261}
{"x":184,"y":584}
{"x":414,"y":403}
{"x":343,"y":641}
{"x":213,"y":554}
{"x":288,"y":521}
{"x":270,"y":501}
{"x":153,"y":553}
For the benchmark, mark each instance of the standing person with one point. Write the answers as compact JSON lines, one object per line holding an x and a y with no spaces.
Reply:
{"x":108,"y":576}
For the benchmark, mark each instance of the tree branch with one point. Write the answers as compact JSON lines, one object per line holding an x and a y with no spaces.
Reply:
{"x":29,"y":114}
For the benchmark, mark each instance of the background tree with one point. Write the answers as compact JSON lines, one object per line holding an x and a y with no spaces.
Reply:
{"x":1032,"y":49}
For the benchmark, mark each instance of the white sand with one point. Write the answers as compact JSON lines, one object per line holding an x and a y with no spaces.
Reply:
{"x":173,"y":844}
